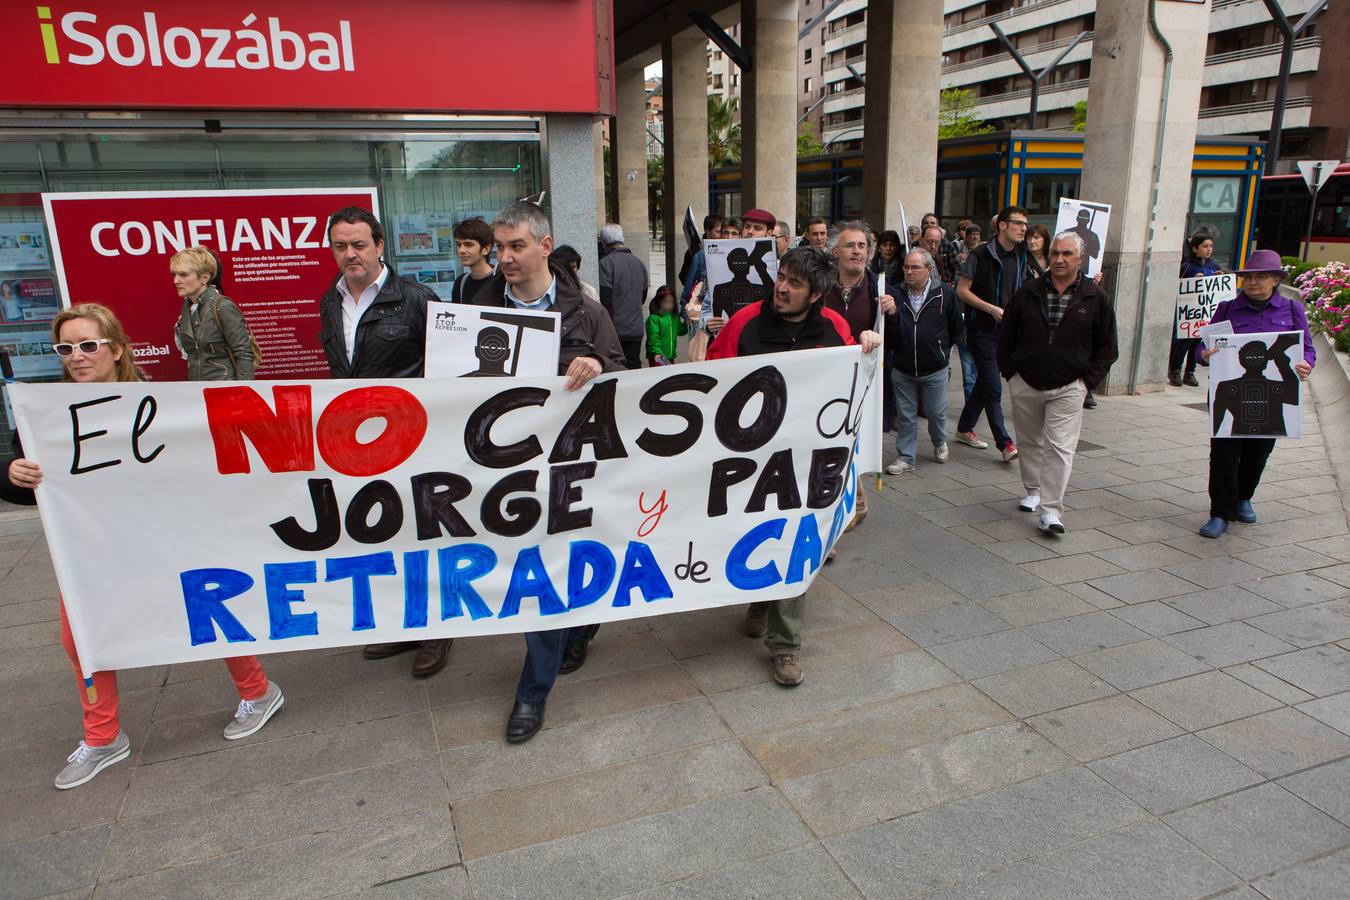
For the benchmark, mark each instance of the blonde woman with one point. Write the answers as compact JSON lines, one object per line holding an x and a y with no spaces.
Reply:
{"x":211,"y":330}
{"x":92,"y":347}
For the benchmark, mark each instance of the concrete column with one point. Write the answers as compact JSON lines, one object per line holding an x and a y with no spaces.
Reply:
{"x":628,"y":155}
{"x":1124,"y":115}
{"x":598,"y":136}
{"x":769,"y":108}
{"x":900,"y":120}
{"x":684,"y":58}
{"x":570,"y":170}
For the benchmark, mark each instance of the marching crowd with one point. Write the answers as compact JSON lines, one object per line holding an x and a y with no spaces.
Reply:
{"x":1018,"y":308}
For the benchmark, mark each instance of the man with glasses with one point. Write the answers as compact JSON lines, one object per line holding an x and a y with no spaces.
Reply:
{"x":992,"y":273}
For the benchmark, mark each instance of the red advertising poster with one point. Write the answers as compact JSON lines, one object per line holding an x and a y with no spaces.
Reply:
{"x":114,"y":248}
{"x":531,"y":56}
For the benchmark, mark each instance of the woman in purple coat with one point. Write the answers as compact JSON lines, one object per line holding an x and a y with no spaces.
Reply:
{"x":1236,"y":463}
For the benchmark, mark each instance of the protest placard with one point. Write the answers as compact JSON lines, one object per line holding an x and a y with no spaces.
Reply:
{"x":1089,"y":221}
{"x":740,"y":272}
{"x":354,"y":512}
{"x":1253,"y":388}
{"x":1197,"y":298}
{"x":478,"y":341}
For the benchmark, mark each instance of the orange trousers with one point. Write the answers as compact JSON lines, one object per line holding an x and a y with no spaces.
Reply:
{"x":100,"y":716}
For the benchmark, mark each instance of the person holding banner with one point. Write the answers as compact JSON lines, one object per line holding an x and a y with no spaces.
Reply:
{"x":94,"y":349}
{"x":1236,"y":464}
{"x":211,"y":331}
{"x":374,"y":325}
{"x":1198,"y":262}
{"x":796,"y":319}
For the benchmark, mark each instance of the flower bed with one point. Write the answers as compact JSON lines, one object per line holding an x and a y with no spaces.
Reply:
{"x":1326,"y":294}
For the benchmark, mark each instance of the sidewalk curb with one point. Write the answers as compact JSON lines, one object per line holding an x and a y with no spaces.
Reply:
{"x":1330,"y":382}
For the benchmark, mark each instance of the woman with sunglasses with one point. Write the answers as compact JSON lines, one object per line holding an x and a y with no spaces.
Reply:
{"x":93,"y":348}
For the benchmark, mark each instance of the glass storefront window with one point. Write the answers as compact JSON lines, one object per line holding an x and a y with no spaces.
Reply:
{"x":1215,"y":203}
{"x":968,"y":198}
{"x":1041,"y":195}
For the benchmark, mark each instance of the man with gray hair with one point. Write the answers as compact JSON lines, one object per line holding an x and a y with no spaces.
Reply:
{"x":1057,"y":340}
{"x":623,"y":292}
{"x":919,"y":340}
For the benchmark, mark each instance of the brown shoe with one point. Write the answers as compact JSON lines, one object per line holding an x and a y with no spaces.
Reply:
{"x":384,"y":651}
{"x":787,"y":670}
{"x":757,"y":620}
{"x":431,"y":657}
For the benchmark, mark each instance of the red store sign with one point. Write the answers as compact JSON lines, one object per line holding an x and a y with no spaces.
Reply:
{"x":477,"y":56}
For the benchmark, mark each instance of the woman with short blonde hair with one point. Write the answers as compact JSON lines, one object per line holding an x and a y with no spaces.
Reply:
{"x":211,"y":331}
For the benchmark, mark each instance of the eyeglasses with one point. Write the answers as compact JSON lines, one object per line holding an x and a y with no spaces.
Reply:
{"x":916,"y":268}
{"x":88,"y":348}
{"x":1021,"y":222}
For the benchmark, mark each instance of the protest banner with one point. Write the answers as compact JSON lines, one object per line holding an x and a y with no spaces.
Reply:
{"x":114,"y":248}
{"x":1089,"y":221}
{"x":1253,"y":389}
{"x":1197,"y":298}
{"x":189,"y":521}
{"x":478,"y":341}
{"x":740,"y":272}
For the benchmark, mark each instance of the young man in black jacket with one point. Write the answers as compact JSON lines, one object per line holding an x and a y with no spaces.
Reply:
{"x":1058,"y":340}
{"x":920,"y":333}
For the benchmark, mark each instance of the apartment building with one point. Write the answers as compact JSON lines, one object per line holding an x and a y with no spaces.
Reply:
{"x":1241,"y":66}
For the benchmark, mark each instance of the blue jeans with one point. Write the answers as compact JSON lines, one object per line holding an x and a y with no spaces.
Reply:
{"x":543,"y":656}
{"x":967,"y":369}
{"x":987,"y":397}
{"x":908,"y":389}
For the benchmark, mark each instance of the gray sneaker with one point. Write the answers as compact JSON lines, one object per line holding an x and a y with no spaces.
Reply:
{"x":252,"y":715}
{"x":86,"y":761}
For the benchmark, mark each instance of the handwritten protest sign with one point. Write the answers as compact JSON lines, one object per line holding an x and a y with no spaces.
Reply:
{"x":740,"y":272}
{"x":1197,"y":298}
{"x":477,"y":341}
{"x":189,"y":521}
{"x":1253,"y":388}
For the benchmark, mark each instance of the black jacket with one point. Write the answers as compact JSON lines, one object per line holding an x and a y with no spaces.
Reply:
{"x":1084,"y":345}
{"x":586,"y":328}
{"x":391,"y":335}
{"x":8,"y":489}
{"x":988,"y":282}
{"x":921,"y":344}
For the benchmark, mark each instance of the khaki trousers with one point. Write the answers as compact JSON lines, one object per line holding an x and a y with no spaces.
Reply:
{"x":1047,"y":424}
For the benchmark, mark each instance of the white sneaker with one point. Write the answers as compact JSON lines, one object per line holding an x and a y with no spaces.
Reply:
{"x":1029,"y":503}
{"x":252,"y":715}
{"x":86,"y":761}
{"x":972,"y":439}
{"x":899,"y":467}
{"x":1050,"y":524}
{"x":940,"y":453}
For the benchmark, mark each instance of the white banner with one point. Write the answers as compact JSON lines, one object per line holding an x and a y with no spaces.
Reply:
{"x":1197,"y":298}
{"x":189,"y":521}
{"x":1253,"y":389}
{"x":740,"y":272}
{"x":477,"y":341}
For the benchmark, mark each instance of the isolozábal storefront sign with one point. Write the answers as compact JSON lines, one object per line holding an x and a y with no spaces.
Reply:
{"x":190,"y":521}
{"x":114,"y":248}
{"x":300,"y":55}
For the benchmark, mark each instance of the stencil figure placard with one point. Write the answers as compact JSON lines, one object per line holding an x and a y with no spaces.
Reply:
{"x":482,"y":341}
{"x":740,"y":272}
{"x":1088,"y":221}
{"x":1253,"y":388}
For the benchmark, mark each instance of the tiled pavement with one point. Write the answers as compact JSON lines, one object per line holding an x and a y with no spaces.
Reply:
{"x":1129,"y":711}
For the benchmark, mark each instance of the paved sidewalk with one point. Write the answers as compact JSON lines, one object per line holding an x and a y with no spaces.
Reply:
{"x":1128,"y":711}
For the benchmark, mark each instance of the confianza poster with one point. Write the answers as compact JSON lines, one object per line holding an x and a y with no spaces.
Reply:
{"x":114,"y":248}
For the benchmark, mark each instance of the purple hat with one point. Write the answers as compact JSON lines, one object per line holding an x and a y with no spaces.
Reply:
{"x":1263,"y":261}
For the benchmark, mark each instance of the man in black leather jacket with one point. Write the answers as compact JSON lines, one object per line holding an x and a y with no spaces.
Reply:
{"x":374,"y":326}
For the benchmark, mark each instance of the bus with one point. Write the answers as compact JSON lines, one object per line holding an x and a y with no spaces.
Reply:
{"x":1282,"y":216}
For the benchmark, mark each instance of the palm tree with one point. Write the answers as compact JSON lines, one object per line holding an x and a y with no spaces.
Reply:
{"x":724,"y":132}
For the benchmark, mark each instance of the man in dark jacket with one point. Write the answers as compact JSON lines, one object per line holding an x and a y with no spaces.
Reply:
{"x":623,"y":292}
{"x":373,"y":325}
{"x":526,"y":279}
{"x":992,"y":273}
{"x":927,"y":322}
{"x":1058,"y":339}
{"x":795,"y":319}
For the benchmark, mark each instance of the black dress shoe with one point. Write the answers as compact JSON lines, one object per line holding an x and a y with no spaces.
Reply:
{"x":1190,"y":380}
{"x":525,"y":721}
{"x":1089,"y":402}
{"x":574,"y":654}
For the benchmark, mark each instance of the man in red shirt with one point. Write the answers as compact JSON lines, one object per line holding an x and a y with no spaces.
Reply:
{"x":796,"y":320}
